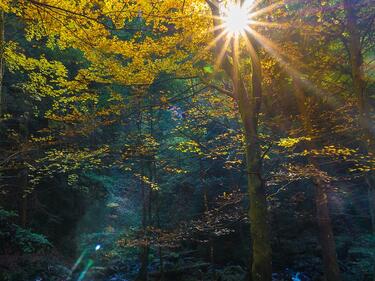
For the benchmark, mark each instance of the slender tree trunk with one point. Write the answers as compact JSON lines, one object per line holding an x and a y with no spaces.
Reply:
{"x":142,"y":274}
{"x":24,"y":124}
{"x":371,"y":196}
{"x":326,"y":238}
{"x":2,"y":45}
{"x":161,"y":261}
{"x":160,"y":249}
{"x":258,"y":214}
{"x":211,"y":241}
{"x":158,"y":222}
{"x":249,"y":107}
{"x":356,"y":59}
{"x":207,"y":209}
{"x":359,"y":88}
{"x":24,"y":199}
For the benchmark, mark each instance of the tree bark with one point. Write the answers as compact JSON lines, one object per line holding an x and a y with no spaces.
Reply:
{"x":356,"y":59}
{"x":359,"y":88}
{"x":142,"y":273}
{"x":249,"y":108}
{"x":2,"y":45}
{"x":326,"y":238}
{"x":206,"y":209}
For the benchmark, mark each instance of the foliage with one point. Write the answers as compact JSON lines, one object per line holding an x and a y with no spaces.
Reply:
{"x":121,"y":126}
{"x":22,"y":239}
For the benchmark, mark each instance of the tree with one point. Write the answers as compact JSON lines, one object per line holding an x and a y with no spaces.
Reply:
{"x":92,"y":76}
{"x":249,"y":105}
{"x":2,"y":49}
{"x":356,"y":44}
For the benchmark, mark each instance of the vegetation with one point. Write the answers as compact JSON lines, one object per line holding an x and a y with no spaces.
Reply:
{"x":187,"y":140}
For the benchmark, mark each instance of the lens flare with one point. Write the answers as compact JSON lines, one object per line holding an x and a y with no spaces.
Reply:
{"x":89,"y":264}
{"x":236,"y":16}
{"x":236,"y":19}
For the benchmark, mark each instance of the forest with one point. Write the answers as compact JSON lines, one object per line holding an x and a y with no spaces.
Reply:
{"x":187,"y":140}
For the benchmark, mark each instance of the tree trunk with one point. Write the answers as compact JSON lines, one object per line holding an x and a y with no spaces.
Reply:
{"x":206,"y":210}
{"x":2,"y":45}
{"x":249,"y":107}
{"x":24,"y":206}
{"x":371,"y":196}
{"x":359,"y":87}
{"x":160,"y":249}
{"x":142,"y":273}
{"x":258,"y":214}
{"x":356,"y":59}
{"x":326,"y":238}
{"x":146,"y":223}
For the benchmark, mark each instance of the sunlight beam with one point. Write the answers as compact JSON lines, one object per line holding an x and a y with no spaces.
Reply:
{"x":276,"y":52}
{"x":221,"y":55}
{"x":267,"y":9}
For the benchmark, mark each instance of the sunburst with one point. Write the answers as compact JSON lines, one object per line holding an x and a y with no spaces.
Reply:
{"x":238,"y":21}
{"x":236,"y":18}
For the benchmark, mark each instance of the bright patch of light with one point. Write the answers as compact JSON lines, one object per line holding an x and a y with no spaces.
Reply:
{"x":97,"y":248}
{"x":236,"y":18}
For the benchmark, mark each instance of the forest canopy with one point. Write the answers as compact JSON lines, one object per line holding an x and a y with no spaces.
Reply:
{"x":187,"y":140}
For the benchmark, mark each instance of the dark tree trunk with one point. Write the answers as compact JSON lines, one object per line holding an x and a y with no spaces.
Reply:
{"x":359,"y":88}
{"x":326,"y":238}
{"x":24,"y":198}
{"x":249,"y":106}
{"x":356,"y":59}
{"x":142,"y":273}
{"x":2,"y":46}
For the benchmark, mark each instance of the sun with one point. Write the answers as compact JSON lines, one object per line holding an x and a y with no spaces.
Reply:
{"x":236,"y":18}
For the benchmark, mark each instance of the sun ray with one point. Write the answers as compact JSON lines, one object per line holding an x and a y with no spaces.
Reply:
{"x":249,"y":46}
{"x":251,"y":4}
{"x":275,"y":52}
{"x":272,"y":47}
{"x":236,"y":24}
{"x":215,"y":40}
{"x":223,"y":50}
{"x":269,"y":24}
{"x":267,"y":9}
{"x":236,"y":64}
